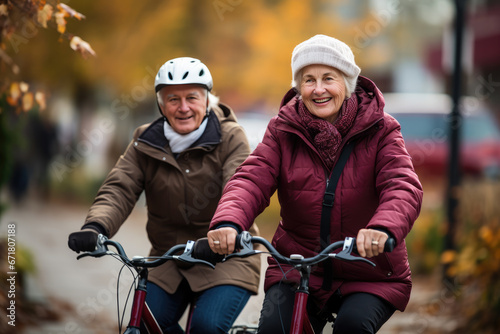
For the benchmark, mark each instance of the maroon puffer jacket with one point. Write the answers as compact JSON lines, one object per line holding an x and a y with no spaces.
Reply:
{"x":378,"y":189}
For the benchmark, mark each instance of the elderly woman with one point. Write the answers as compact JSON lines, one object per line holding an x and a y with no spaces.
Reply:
{"x":181,"y":161}
{"x":378,"y":194}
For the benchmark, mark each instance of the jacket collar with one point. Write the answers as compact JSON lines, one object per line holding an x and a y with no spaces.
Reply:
{"x":155,"y":137}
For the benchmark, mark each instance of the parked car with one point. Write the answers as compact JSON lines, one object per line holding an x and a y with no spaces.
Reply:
{"x":425,"y":124}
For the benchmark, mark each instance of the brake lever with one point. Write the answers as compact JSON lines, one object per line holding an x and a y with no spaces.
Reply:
{"x":100,"y":248}
{"x":345,"y":253}
{"x":244,"y":240}
{"x":187,"y":256}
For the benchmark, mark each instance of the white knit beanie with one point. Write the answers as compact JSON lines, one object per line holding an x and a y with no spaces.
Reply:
{"x":325,"y":50}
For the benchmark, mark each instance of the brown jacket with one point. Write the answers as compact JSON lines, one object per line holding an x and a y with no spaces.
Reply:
{"x":181,"y":195}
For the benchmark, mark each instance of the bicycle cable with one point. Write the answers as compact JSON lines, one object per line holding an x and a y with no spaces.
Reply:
{"x":134,"y":283}
{"x":281,"y":282}
{"x":279,"y":304}
{"x":121,"y":318}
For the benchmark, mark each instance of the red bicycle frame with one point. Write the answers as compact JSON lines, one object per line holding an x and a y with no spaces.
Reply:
{"x":140,"y":310}
{"x":300,"y":319}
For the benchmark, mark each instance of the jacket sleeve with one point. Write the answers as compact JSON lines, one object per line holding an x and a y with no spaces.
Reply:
{"x":237,"y":149}
{"x":399,"y":189}
{"x":248,"y":192}
{"x":119,"y":192}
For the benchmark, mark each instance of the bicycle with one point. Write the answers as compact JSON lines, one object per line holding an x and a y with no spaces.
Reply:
{"x":140,"y":310}
{"x":300,"y":318}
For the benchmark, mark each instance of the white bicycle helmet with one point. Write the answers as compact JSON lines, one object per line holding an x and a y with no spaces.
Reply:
{"x":183,"y":71}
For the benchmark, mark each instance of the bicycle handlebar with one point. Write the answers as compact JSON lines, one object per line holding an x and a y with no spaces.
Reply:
{"x":144,"y":262}
{"x":245,"y":241}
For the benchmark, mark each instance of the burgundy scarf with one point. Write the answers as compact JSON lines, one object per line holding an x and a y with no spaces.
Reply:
{"x":326,"y":136}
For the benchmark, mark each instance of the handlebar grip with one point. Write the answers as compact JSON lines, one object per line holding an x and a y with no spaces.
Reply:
{"x":237,"y":241}
{"x":202,"y":251}
{"x":389,"y":245}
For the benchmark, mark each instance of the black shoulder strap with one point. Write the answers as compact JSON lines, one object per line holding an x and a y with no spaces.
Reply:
{"x":326,"y":213}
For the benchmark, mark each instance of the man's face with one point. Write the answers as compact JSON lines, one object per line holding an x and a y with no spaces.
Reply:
{"x":184,"y":106}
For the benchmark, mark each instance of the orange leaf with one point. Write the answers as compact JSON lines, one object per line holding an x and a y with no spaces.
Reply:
{"x":486,"y":234}
{"x":61,"y":22}
{"x":71,"y":12}
{"x":11,"y":101}
{"x":15,"y":93}
{"x":448,"y":256}
{"x":45,"y":14}
{"x":81,"y":46}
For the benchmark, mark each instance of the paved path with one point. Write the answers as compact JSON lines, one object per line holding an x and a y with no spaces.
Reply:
{"x":84,"y":291}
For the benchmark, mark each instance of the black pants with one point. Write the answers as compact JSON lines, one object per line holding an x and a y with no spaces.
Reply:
{"x":356,"y":313}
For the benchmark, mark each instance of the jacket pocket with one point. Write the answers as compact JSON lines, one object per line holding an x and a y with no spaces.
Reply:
{"x":361,"y":271}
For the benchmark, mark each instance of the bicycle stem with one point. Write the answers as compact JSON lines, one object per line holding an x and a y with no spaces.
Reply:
{"x":299,"y":319}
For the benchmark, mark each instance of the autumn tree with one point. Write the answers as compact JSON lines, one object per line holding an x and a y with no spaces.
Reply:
{"x":21,"y":22}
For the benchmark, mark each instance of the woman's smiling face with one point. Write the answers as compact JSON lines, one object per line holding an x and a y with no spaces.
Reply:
{"x":322,"y":89}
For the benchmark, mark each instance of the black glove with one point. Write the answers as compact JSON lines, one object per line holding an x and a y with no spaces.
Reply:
{"x":86,"y":239}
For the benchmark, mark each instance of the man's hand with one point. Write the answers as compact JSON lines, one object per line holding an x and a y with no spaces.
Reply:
{"x":83,"y":241}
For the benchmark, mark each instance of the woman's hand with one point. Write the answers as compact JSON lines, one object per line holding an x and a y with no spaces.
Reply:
{"x":370,"y":242}
{"x":222,"y":240}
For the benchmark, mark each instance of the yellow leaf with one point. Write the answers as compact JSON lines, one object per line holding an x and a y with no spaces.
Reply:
{"x":81,"y":46}
{"x":15,"y":93}
{"x":45,"y":14}
{"x":61,"y":22}
{"x":27,"y":101}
